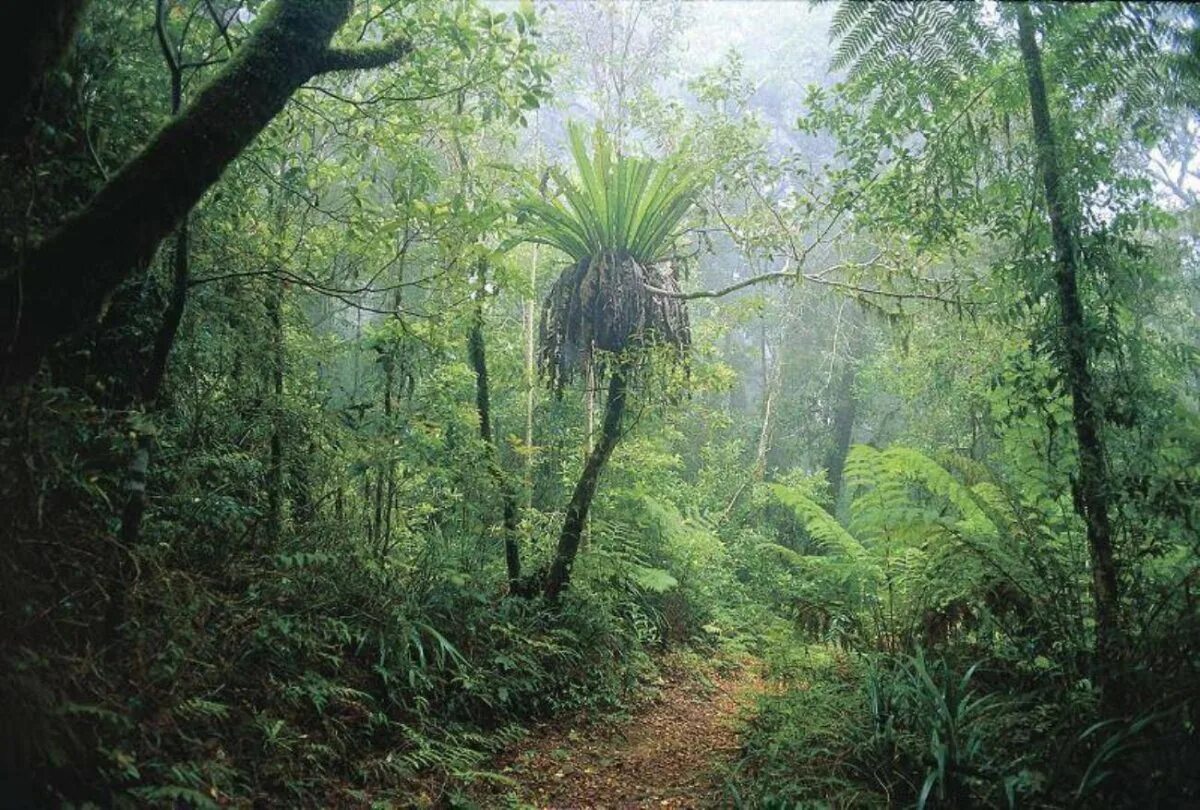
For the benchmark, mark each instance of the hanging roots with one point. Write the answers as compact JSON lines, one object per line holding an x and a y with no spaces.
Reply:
{"x":602,"y":303}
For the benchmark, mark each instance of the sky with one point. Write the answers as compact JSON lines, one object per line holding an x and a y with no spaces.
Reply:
{"x":770,"y":35}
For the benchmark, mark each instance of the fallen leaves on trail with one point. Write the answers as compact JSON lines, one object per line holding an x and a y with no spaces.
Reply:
{"x":663,"y":756}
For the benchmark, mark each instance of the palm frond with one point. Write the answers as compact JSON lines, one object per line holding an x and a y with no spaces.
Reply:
{"x":617,"y":205}
{"x":615,"y":219}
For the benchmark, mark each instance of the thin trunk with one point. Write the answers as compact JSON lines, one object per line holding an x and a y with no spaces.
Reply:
{"x":366,"y":513}
{"x":389,"y":505}
{"x":589,"y":405}
{"x":530,"y":380}
{"x":771,"y":385}
{"x":150,"y":386}
{"x":581,"y":500}
{"x":1092,"y":484}
{"x":590,"y":439}
{"x":846,"y":408}
{"x":478,"y":352}
{"x":275,"y":461}
{"x":530,"y":335}
{"x":62,"y":285}
{"x":737,"y":391}
{"x":387,"y":468}
{"x":304,"y":507}
{"x":763,"y":356}
{"x":164,"y":340}
{"x":150,"y":389}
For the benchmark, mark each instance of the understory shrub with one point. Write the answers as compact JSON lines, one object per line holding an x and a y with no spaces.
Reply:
{"x":306,"y":677}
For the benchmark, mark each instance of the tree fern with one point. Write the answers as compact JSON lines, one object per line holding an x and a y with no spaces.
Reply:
{"x":1100,"y":51}
{"x":941,"y":42}
{"x":912,"y":522}
{"x":820,"y":525}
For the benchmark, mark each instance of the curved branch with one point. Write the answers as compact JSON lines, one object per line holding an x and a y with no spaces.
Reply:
{"x":365,"y":57}
{"x":816,"y":278}
{"x":778,"y":275}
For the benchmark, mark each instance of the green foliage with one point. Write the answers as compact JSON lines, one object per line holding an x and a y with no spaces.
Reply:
{"x":316,"y":612}
{"x":883,"y":729}
{"x":619,"y":206}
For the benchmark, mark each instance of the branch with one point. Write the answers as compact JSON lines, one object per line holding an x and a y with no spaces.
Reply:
{"x":171,"y":55}
{"x":222,"y":27}
{"x":779,"y":275}
{"x":429,"y":95}
{"x":365,"y":57}
{"x":786,"y":274}
{"x":893,"y":294}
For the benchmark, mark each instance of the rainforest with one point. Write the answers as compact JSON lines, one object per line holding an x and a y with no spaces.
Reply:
{"x":599,"y":404}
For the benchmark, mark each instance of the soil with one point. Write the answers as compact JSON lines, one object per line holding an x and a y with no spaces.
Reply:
{"x":668,"y":754}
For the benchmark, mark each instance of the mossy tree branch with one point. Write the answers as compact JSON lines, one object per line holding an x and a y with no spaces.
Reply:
{"x":61,"y":286}
{"x":366,"y":57}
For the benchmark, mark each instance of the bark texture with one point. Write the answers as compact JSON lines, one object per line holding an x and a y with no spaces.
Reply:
{"x":581,"y":500}
{"x":274,"y":482}
{"x":1091,"y":501}
{"x":845,"y":410}
{"x":477,"y":349}
{"x":62,"y":285}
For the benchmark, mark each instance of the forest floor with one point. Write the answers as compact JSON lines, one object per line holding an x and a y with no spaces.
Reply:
{"x":667,"y":753}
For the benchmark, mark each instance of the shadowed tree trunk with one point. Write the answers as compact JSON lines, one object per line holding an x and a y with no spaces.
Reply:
{"x":1091,"y":490}
{"x":275,"y":459}
{"x":29,"y":49}
{"x":62,"y":285}
{"x":585,"y":489}
{"x":150,"y":387}
{"x":846,"y":407}
{"x":476,"y":348}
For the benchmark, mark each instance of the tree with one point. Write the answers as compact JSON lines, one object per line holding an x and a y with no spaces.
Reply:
{"x":960,"y":66}
{"x":150,"y":386}
{"x":118,"y":231}
{"x":616,"y":224}
{"x":1093,"y":486}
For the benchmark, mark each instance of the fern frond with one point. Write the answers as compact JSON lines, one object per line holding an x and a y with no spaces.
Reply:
{"x":820,"y":525}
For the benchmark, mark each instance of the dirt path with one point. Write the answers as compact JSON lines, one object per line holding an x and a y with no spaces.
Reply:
{"x":663,"y":756}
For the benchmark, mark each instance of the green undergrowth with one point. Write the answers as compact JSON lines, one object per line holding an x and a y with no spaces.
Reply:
{"x":852,"y":729}
{"x":306,"y":678}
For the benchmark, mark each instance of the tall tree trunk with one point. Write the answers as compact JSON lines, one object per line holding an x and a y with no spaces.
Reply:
{"x":589,"y":403}
{"x":771,"y":383}
{"x":381,"y":534}
{"x":150,"y":385}
{"x":530,"y":377}
{"x":390,"y":387}
{"x":581,"y":500}
{"x":846,"y":408}
{"x":30,"y":46}
{"x":62,"y":285}
{"x":149,"y":391}
{"x":275,"y":460}
{"x":529,"y":308}
{"x":477,"y":350}
{"x":1092,"y":484}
